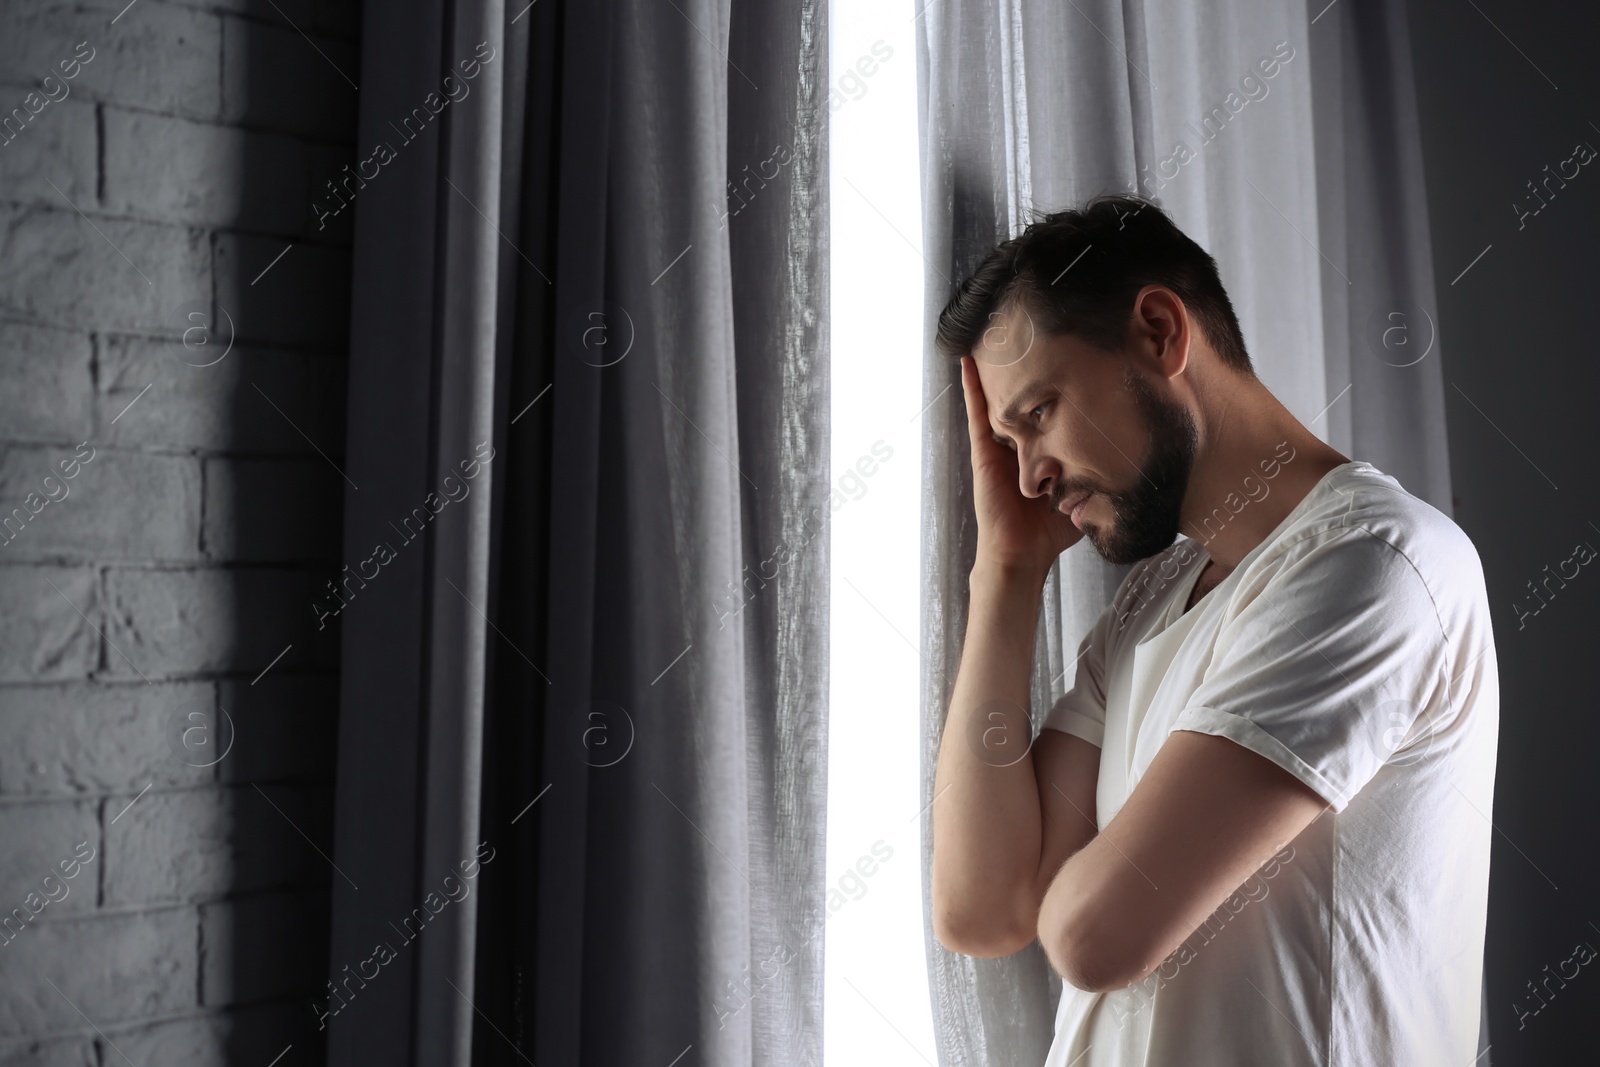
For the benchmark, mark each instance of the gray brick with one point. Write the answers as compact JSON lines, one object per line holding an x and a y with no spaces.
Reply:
{"x":252,"y":1035}
{"x":201,"y":844}
{"x":55,"y":146}
{"x":302,"y":300}
{"x":35,"y":839}
{"x":207,"y":620}
{"x":263,"y":948}
{"x":220,"y":407}
{"x":68,"y":1052}
{"x":41,"y":491}
{"x":87,"y":738}
{"x":43,"y":636}
{"x":273,"y":511}
{"x":55,"y":267}
{"x":121,"y":505}
{"x":110,"y":967}
{"x":285,"y":726}
{"x":159,"y":57}
{"x":278,"y":79}
{"x":49,"y":382}
{"x":182,"y":171}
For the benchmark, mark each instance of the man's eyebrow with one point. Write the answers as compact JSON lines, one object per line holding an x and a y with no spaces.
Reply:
{"x":1024,"y":400}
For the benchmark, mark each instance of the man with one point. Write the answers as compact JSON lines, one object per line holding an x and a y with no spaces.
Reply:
{"x":1255,"y":829}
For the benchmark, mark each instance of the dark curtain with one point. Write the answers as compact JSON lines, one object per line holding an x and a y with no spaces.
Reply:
{"x":592,"y":692}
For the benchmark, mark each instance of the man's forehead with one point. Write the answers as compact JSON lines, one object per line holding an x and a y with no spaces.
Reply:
{"x":1007,"y":340}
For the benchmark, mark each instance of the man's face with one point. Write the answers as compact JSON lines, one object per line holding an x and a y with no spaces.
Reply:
{"x":1086,"y":426}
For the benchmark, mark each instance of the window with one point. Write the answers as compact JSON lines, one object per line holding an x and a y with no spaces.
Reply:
{"x":876,"y":987}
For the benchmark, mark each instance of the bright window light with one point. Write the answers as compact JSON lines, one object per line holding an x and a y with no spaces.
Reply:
{"x":876,"y":985}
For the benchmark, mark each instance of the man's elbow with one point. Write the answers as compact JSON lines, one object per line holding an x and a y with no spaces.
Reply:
{"x":1088,"y":956}
{"x":985,"y":933}
{"x":1082,"y":969}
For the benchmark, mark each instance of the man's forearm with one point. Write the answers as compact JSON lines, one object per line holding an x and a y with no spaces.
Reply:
{"x":986,"y":816}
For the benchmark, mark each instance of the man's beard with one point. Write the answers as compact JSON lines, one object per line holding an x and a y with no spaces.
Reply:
{"x":1148,"y":514}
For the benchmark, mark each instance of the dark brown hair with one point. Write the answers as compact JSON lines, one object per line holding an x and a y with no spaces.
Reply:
{"x":1076,"y":272}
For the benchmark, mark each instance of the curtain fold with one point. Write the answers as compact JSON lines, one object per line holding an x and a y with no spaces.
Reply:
{"x":1307,"y":189}
{"x":424,"y":322}
{"x":1380,"y":327}
{"x":597,"y":680}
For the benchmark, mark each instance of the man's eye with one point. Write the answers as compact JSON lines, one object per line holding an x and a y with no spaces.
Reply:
{"x":1038,"y":412}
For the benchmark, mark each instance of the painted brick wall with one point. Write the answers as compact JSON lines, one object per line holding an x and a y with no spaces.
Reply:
{"x":158,"y":904}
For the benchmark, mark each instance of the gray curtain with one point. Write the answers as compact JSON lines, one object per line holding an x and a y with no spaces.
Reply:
{"x":1309,"y":196}
{"x":583,"y":682}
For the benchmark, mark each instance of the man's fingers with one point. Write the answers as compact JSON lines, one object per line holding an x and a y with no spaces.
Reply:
{"x":977,"y":408}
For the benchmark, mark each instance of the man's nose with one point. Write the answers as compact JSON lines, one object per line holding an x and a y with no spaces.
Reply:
{"x":1035,"y":473}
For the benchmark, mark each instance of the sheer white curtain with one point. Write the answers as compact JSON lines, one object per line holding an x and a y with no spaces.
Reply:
{"x":1306,"y":186}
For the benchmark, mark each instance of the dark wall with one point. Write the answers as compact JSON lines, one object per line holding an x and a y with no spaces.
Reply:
{"x":1499,"y":103}
{"x":167,"y":706}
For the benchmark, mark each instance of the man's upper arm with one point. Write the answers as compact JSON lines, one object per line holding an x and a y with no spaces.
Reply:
{"x":1206,"y":815}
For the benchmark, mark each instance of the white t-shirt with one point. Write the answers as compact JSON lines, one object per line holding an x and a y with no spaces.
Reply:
{"x":1352,"y":648}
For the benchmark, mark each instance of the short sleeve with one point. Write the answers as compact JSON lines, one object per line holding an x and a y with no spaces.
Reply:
{"x":1325,"y":664}
{"x":1081,"y":710}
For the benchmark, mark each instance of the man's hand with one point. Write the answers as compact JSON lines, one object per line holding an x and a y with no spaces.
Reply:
{"x":1014,"y":531}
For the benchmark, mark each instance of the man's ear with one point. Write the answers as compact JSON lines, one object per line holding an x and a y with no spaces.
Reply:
{"x":1161,"y":325}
